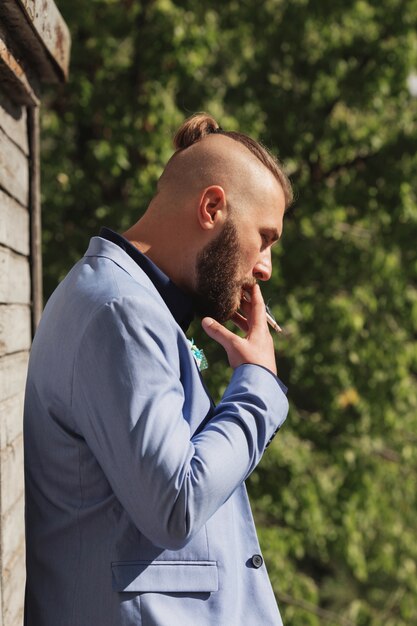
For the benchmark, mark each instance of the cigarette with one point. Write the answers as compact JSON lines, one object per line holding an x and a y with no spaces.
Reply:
{"x":269,"y":316}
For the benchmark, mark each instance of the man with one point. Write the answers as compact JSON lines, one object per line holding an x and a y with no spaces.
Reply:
{"x":136,"y":507}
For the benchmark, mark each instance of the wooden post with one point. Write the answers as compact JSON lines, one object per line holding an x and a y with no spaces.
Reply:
{"x":35,"y":217}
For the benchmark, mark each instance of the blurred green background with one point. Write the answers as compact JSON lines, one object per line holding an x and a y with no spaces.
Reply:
{"x":331,"y":87}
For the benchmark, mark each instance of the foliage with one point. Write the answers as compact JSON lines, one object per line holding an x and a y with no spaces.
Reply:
{"x":325,"y":84}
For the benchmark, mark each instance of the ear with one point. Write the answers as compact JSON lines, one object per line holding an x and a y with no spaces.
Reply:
{"x":212,"y":207}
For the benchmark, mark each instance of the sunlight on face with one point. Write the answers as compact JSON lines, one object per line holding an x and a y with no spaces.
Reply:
{"x":241,"y":253}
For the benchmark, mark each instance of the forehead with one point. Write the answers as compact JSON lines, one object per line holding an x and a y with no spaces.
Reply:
{"x":266,"y":201}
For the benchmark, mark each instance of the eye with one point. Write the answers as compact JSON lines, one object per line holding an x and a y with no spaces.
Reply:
{"x":269,"y":237}
{"x":265,"y":240}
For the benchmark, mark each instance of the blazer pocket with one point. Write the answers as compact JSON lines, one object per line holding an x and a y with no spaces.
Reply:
{"x":165,"y":576}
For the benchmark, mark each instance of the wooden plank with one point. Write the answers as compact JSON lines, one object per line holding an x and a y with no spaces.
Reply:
{"x":13,"y":370}
{"x":11,"y":473}
{"x":15,"y":328}
{"x":13,"y":76}
{"x":14,"y":170}
{"x":14,"y":278}
{"x":51,"y":28}
{"x":12,"y":555}
{"x":40,"y":28}
{"x":1,"y":602}
{"x":13,"y":122}
{"x":14,"y":225}
{"x":19,"y":616}
{"x":13,"y":589}
{"x":13,"y":542}
{"x":12,"y":525}
{"x":11,"y":418}
{"x":1,"y":605}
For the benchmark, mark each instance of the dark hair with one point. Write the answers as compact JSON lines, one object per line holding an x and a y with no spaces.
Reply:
{"x":201,"y":125}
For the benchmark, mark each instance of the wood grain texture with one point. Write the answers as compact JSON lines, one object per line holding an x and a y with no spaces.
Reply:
{"x":14,"y":278}
{"x":51,"y":28}
{"x":39,"y":26}
{"x":13,"y":121}
{"x":11,"y":473}
{"x":12,"y":538}
{"x":12,"y":531}
{"x":11,"y":418}
{"x":14,"y":225}
{"x":13,"y":76}
{"x":13,"y":370}
{"x":13,"y":588}
{"x":14,"y":170}
{"x":15,"y":328}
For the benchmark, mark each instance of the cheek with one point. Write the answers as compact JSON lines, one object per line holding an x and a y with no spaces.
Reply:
{"x":244,"y":275}
{"x":248,"y":258}
{"x":248,"y":251}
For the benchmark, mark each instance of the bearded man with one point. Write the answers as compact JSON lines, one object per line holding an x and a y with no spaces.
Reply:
{"x":136,"y":507}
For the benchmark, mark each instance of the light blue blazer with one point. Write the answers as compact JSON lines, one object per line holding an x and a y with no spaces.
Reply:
{"x":136,"y":509}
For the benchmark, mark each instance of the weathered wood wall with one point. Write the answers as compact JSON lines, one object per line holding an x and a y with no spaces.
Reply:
{"x":15,"y":340}
{"x":34,"y":47}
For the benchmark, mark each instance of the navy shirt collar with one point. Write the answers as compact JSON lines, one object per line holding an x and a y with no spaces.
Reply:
{"x":179,"y":303}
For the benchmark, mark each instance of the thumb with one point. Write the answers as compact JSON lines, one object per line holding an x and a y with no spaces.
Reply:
{"x":216,"y":331}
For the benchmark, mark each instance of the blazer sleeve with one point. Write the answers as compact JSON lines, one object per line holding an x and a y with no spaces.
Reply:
{"x":127,"y":401}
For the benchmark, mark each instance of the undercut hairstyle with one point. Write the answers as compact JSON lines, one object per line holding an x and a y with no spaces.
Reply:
{"x":201,"y":125}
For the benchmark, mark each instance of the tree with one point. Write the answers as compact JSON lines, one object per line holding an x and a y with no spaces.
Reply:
{"x":325,"y":85}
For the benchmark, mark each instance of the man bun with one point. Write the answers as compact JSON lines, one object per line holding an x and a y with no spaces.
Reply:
{"x":195,"y":128}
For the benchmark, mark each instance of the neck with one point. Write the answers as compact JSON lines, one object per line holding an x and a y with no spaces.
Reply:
{"x":166,"y":247}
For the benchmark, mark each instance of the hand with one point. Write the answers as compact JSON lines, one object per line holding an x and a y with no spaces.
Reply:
{"x":257,"y":346}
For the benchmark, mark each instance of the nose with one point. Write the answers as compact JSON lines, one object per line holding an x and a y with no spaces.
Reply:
{"x":263,"y":268}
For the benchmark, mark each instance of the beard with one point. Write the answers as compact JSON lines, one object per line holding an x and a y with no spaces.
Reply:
{"x":218,"y":290}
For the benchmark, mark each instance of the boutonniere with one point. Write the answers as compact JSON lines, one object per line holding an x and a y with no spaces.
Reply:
{"x":199,"y":356}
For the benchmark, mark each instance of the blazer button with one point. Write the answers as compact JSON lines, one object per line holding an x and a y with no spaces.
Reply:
{"x":257,"y":560}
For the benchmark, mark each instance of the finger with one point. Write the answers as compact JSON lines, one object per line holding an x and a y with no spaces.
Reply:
{"x":246,"y":313}
{"x":246,"y":303}
{"x":216,"y":331}
{"x":246,"y":308}
{"x":240,"y":321}
{"x":258,"y":312}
